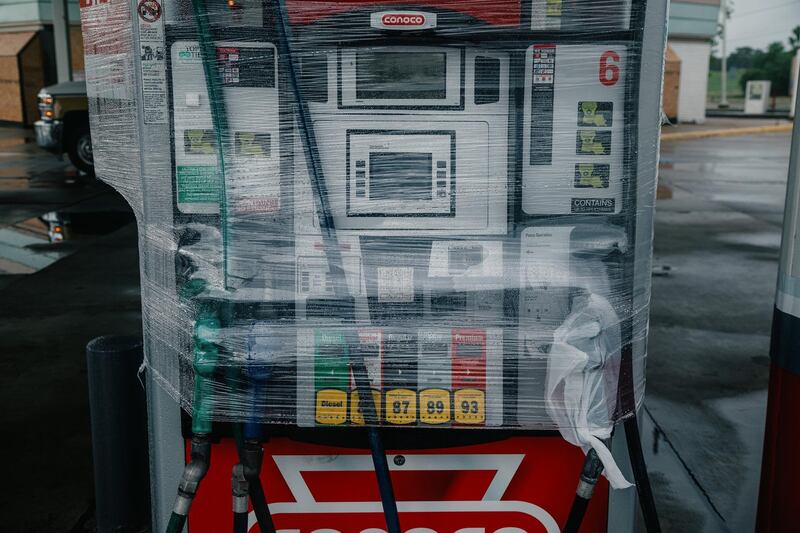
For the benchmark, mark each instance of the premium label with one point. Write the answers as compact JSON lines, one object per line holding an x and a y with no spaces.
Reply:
{"x":470,"y":406}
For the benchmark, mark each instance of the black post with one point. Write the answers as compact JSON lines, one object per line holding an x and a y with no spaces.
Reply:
{"x":119,"y":434}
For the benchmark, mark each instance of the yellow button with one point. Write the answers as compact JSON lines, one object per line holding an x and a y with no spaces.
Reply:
{"x":356,"y":417}
{"x":401,"y":406}
{"x":331,"y":407}
{"x":434,"y":406}
{"x":470,"y":407}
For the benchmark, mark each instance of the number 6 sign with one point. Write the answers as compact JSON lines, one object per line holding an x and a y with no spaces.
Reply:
{"x":577,"y":167}
{"x":609,"y":68}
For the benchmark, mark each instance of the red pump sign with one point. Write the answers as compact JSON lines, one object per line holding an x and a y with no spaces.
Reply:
{"x":510,"y":486}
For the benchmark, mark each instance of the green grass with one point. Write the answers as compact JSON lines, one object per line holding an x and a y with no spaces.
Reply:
{"x":735,"y":93}
{"x":715,"y":84}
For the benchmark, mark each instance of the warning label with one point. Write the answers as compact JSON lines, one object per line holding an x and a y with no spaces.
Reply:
{"x":152,"y":61}
{"x":149,"y":10}
{"x":593,"y":205}
{"x":197,"y":184}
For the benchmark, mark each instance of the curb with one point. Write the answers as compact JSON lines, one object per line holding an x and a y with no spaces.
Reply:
{"x":731,"y":132}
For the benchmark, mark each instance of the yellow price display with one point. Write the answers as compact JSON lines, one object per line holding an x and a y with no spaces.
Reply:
{"x":356,"y":416}
{"x":470,"y":406}
{"x":401,"y":406}
{"x":434,"y":406}
{"x":331,"y":408}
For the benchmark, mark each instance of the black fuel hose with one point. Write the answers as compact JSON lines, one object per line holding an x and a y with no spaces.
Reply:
{"x":643,"y":487}
{"x":251,"y":456}
{"x":176,"y":523}
{"x":590,"y":475}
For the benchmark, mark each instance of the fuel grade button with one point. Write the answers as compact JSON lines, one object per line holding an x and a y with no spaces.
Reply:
{"x":356,"y":414}
{"x":401,"y":406}
{"x":470,"y":406}
{"x":434,"y":406}
{"x":331,"y":407}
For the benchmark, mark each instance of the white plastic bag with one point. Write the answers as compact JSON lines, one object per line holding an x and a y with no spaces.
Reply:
{"x":581,"y":379}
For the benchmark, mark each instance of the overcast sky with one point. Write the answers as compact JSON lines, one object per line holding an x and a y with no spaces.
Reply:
{"x":757,"y":23}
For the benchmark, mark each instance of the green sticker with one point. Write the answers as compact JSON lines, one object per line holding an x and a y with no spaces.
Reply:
{"x":197,"y":185}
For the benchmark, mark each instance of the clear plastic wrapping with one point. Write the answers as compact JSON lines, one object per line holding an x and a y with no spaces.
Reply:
{"x":445,"y":205}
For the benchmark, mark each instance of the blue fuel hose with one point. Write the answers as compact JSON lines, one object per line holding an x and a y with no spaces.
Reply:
{"x":336,"y":268}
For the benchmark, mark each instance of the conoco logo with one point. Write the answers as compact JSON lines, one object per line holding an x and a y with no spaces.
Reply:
{"x":399,"y":19}
{"x":403,"y":20}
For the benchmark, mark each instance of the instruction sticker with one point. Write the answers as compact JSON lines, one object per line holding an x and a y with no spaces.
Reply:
{"x":197,"y":184}
{"x":152,"y":57}
{"x":395,"y":284}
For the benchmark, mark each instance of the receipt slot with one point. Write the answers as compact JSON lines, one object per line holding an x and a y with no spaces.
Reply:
{"x":351,"y":203}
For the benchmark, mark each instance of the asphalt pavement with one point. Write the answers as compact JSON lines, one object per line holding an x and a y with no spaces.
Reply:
{"x":708,"y":356}
{"x":710,"y":325}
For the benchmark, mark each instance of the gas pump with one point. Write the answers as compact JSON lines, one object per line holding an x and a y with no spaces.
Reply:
{"x":419,"y":227}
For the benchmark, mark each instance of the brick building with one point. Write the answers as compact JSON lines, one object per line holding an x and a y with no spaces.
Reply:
{"x":27,"y":55}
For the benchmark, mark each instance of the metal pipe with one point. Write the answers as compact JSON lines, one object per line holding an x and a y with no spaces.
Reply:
{"x":117,"y":408}
{"x":240,"y":492}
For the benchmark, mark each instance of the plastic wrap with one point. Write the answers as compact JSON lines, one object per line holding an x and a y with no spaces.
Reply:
{"x":444,"y":205}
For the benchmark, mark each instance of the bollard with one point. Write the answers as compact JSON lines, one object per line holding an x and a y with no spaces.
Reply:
{"x":119,"y":434}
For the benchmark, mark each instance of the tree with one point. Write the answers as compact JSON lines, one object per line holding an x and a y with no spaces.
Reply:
{"x":794,"y":39}
{"x":742,"y":57}
{"x":774,"y":65}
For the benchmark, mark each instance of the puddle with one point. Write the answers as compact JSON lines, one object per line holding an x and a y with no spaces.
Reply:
{"x":15,"y":183}
{"x":14,"y":172}
{"x":48,"y":178}
{"x":31,"y":245}
{"x":770,"y":239}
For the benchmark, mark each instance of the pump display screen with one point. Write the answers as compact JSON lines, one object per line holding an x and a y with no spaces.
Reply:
{"x":400,"y":176}
{"x":401,"y":75}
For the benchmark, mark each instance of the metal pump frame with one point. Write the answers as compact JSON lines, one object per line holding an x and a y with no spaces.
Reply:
{"x":334,"y":260}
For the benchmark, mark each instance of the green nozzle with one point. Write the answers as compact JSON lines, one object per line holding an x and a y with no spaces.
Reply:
{"x":206,"y":356}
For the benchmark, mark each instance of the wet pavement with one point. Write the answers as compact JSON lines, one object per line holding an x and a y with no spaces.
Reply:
{"x":707,"y":367}
{"x":48,"y":210}
{"x":710,"y":325}
{"x":68,"y":273}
